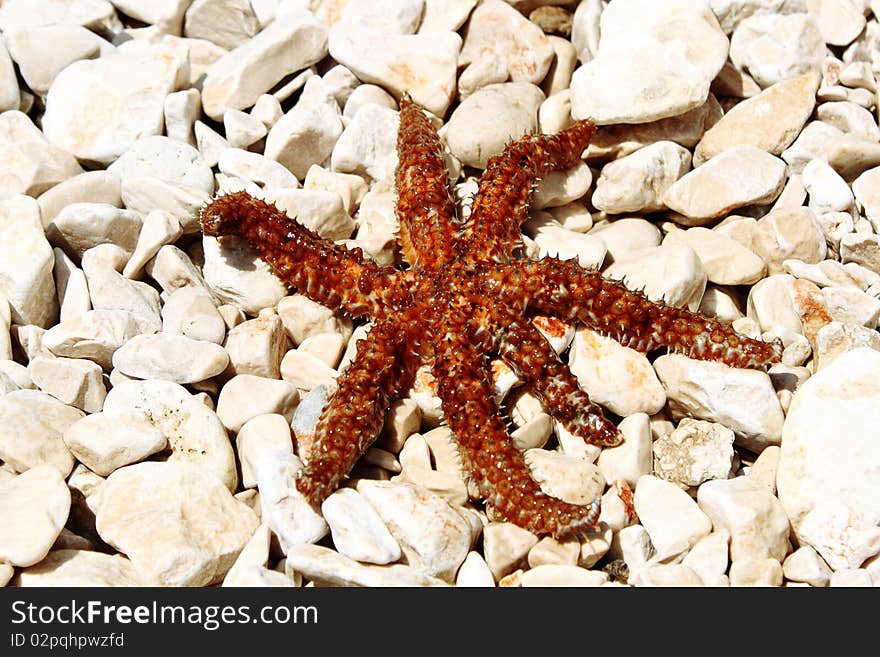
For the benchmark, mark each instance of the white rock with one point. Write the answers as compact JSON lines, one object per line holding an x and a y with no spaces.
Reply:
{"x":625,"y":237}
{"x":33,"y":510}
{"x":839,"y":22}
{"x":303,"y":318}
{"x":26,"y":263}
{"x":228,"y":23}
{"x":633,"y":545}
{"x":774,"y":47}
{"x":484,"y":122}
{"x":160,"y":157}
{"x":357,"y":530}
{"x":305,"y":371}
{"x":110,"y":290}
{"x":145,"y":194}
{"x":752,"y":515}
{"x":434,"y":537}
{"x":245,"y":396}
{"x":257,"y":346}
{"x":242,"y":129}
{"x":159,"y":228}
{"x":474,"y":572}
{"x":194,"y":432}
{"x":307,"y":133}
{"x":851,"y":577}
{"x":695,"y":452}
{"x":828,"y":191}
{"x":30,"y":163}
{"x":739,"y":176}
{"x":178,"y":524}
{"x":633,"y":457}
{"x":851,"y":306}
{"x":365,"y":94}
{"x":836,"y":338}
{"x":181,"y":109}
{"x":250,"y":569}
{"x":422,"y":65}
{"x":708,"y":558}
{"x":655,"y":168}
{"x":827,"y":487}
{"x":742,"y":400}
{"x":329,"y":568}
{"x":368,"y":144}
{"x":666,"y":575}
{"x":671,"y":273}
{"x":756,"y":572}
{"x":105,"y":442}
{"x":561,"y":187}
{"x":94,"y":186}
{"x":10,"y":94}
{"x":506,"y":547}
{"x":190,"y":312}
{"x":170,"y":357}
{"x":499,"y":33}
{"x":75,"y":382}
{"x":294,"y":41}
{"x":558,"y":575}
{"x":81,"y":226}
{"x":573,"y":479}
{"x":284,"y":509}
{"x":94,"y":335}
{"x":849,"y":118}
{"x":80,"y":568}
{"x":255,"y":168}
{"x":636,"y":76}
{"x":671,"y":517}
{"x":725,"y":261}
{"x":805,"y":565}
{"x":263,"y":432}
{"x":553,"y":240}
{"x":318,"y":210}
{"x":784,"y":234}
{"x":865,"y":189}
{"x":235,"y":274}
{"x":31,"y":425}
{"x":97,"y":108}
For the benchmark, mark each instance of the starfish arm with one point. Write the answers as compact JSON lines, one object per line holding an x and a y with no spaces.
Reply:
{"x":522,"y":346}
{"x":425,"y":207}
{"x":497,"y":466}
{"x":566,"y":290}
{"x":326,"y":273}
{"x":492,"y":231}
{"x":353,"y":417}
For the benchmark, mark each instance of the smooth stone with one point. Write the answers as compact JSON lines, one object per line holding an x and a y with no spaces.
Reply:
{"x":434,"y":537}
{"x":633,"y":388}
{"x":740,"y":399}
{"x":95,"y":335}
{"x":179,"y":525}
{"x":495,"y":114}
{"x":852,"y":306}
{"x":352,"y":189}
{"x":572,"y":479}
{"x":739,"y":176}
{"x":837,"y":338}
{"x":626,"y":237}
{"x":474,"y":572}
{"x":75,"y":382}
{"x":851,"y":577}
{"x":366,"y":94}
{"x":26,"y":263}
{"x":90,"y":186}
{"x":670,"y":273}
{"x":80,"y":568}
{"x":696,"y":451}
{"x":828,"y":191}
{"x":80,"y":226}
{"x":756,"y":572}
{"x":357,"y":530}
{"x":666,"y":575}
{"x":256,"y":168}
{"x":159,"y":228}
{"x":31,"y":164}
{"x":227,"y":23}
{"x":10,"y":94}
{"x":559,"y":575}
{"x":851,"y":156}
{"x":805,"y":565}
{"x":306,"y":371}
{"x":318,"y":210}
{"x":303,"y":318}
{"x":776,"y":47}
{"x":561,"y":187}
{"x":288,"y":514}
{"x":329,"y":568}
{"x":158,"y":156}
{"x":769,"y":121}
{"x":670,"y":516}
{"x":263,"y":432}
{"x":862,"y":249}
{"x":250,"y":568}
{"x":257,"y":346}
{"x":770,"y":303}
{"x":144,"y":194}
{"x":815,"y":141}
{"x":170,"y":357}
{"x":849,"y":118}
{"x":553,"y":240}
{"x":293,"y":42}
{"x":33,"y":509}
{"x":307,"y":133}
{"x":826,"y":486}
{"x":755,"y":519}
{"x":635,"y":76}
{"x":195,"y":434}
{"x":506,"y":547}
{"x":235,"y":274}
{"x":865,"y":189}
{"x":633,"y":457}
{"x":725,"y":261}
{"x":552,"y":551}
{"x":191,"y":312}
{"x":367,"y":146}
{"x":181,"y":109}
{"x":105,"y":442}
{"x":655,"y":168}
{"x":423,"y":65}
{"x":110,"y":290}
{"x":96,"y":109}
{"x":32,"y":424}
{"x":246,"y":396}
{"x":500,"y":36}
{"x":709,"y":557}
{"x":242,"y":130}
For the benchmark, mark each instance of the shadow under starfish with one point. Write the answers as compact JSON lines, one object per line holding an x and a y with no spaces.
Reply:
{"x":465,"y":297}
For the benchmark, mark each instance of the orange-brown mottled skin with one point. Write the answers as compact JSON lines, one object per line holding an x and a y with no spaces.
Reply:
{"x":467,"y":295}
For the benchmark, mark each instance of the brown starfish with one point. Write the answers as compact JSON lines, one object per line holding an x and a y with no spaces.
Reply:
{"x":465,"y":297}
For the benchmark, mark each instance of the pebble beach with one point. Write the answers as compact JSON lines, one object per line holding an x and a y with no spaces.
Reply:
{"x":159,"y":388}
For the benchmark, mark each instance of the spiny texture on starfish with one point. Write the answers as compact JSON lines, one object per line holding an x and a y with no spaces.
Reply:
{"x":466,"y":296}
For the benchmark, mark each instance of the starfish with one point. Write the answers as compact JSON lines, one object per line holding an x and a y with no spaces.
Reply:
{"x":465,"y":294}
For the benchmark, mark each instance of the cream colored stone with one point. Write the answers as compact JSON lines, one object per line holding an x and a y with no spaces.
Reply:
{"x":105,"y":442}
{"x":270,"y":431}
{"x":31,"y":425}
{"x":75,"y":382}
{"x":245,"y":396}
{"x":257,"y":346}
{"x":357,"y":529}
{"x":672,"y":519}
